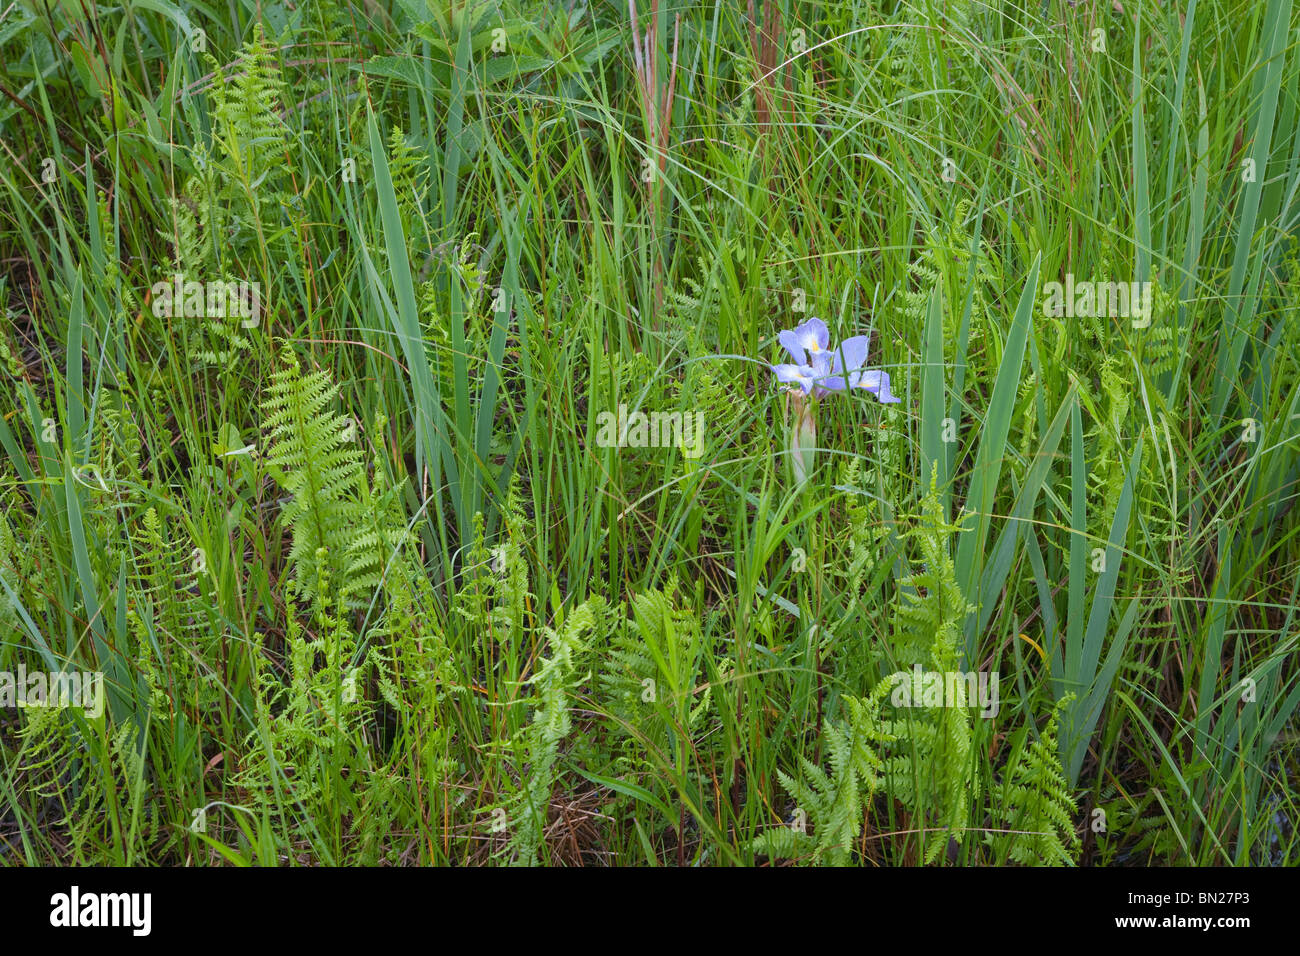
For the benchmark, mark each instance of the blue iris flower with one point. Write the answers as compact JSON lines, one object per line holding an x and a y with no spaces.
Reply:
{"x":819,"y":370}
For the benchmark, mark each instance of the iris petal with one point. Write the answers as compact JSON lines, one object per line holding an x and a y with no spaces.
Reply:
{"x":823,"y":364}
{"x":801,"y":375}
{"x":790,"y":340}
{"x":812,"y":335}
{"x":877,"y":382}
{"x":853,"y":354}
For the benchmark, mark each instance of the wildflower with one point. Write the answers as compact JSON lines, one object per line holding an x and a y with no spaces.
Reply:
{"x":818,"y":370}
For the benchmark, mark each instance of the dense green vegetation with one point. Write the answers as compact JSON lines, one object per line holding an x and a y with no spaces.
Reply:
{"x":316,"y":317}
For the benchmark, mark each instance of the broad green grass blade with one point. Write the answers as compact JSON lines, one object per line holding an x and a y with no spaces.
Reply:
{"x":992,"y":448}
{"x":1240,"y":305}
{"x":933,"y":453}
{"x":432,"y":449}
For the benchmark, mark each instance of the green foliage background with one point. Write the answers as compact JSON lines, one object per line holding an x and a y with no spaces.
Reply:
{"x":364,"y":588}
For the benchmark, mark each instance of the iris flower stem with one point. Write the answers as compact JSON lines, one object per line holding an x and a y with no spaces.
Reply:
{"x":803,"y":436}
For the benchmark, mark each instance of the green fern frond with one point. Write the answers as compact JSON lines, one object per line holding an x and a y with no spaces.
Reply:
{"x":934,"y":773}
{"x":1039,"y":801}
{"x":311,"y":457}
{"x":933,"y":607}
{"x":834,"y":803}
{"x":650,"y":686}
{"x":248,"y":107}
{"x":551,"y":723}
